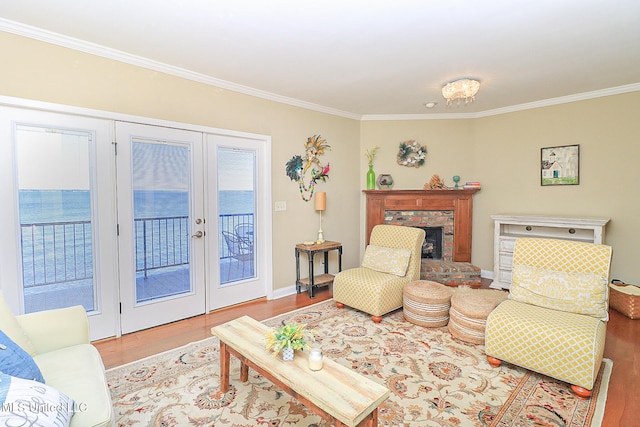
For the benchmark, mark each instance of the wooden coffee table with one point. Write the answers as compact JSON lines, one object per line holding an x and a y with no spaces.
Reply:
{"x":339,"y":395}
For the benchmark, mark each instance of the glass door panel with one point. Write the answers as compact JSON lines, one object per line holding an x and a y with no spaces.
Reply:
{"x":240,"y":260}
{"x":236,"y":205}
{"x":55,"y":212}
{"x":161,"y":221}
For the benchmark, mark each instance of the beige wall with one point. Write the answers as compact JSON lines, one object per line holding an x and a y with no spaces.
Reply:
{"x":44,"y":72}
{"x":507,"y":158}
{"x":503,"y":152}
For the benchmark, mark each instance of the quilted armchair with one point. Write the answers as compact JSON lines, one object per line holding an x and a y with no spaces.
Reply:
{"x":555,"y":319}
{"x":391,"y":259}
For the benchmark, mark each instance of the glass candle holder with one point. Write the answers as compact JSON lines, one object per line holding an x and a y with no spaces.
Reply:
{"x":315,"y":359}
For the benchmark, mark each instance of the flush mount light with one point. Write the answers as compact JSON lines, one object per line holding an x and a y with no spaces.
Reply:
{"x":463,"y":89}
{"x":430,"y":104}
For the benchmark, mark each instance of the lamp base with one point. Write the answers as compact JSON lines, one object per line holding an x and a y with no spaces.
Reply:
{"x":320,"y":237}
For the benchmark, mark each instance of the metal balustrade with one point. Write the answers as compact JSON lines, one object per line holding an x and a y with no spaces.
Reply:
{"x":60,"y":252}
{"x":56,"y":252}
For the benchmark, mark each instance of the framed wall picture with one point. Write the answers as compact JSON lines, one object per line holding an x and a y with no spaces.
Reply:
{"x":560,"y":165}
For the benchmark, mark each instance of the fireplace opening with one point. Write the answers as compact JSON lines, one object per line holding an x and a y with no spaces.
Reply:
{"x":432,"y":245}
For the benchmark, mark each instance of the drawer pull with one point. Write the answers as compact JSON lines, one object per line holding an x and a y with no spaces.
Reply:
{"x":528,"y":228}
{"x":572,"y":231}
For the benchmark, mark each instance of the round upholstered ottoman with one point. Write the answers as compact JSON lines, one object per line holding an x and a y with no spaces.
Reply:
{"x":426,"y":303}
{"x":469,"y":311}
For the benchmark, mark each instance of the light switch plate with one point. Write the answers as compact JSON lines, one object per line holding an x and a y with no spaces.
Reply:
{"x":281,"y":206}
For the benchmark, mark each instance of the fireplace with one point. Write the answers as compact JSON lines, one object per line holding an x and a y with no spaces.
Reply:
{"x":449,"y":209}
{"x":432,"y":244}
{"x":446,"y":217}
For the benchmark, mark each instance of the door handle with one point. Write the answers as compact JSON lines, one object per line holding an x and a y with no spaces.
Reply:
{"x":198,"y":234}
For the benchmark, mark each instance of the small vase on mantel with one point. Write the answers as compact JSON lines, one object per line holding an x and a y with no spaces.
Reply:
{"x":371,"y":178}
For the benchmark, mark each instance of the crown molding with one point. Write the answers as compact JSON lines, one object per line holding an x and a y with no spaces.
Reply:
{"x":117,"y":55}
{"x":634,"y":87}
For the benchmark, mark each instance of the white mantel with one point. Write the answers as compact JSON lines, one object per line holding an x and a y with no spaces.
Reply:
{"x":507,"y":228}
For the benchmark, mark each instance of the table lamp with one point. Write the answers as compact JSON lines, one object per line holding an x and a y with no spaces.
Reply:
{"x":321,"y":205}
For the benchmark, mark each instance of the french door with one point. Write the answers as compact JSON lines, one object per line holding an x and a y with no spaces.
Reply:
{"x":194,"y":219}
{"x":58,"y":198}
{"x":161,"y":225}
{"x":131,"y":220}
{"x":239,"y":254}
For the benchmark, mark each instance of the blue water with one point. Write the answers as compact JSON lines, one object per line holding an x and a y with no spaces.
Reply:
{"x":64,"y":253}
{"x":74,"y":205}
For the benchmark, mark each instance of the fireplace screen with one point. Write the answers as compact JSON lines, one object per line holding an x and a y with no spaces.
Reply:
{"x":432,"y":245}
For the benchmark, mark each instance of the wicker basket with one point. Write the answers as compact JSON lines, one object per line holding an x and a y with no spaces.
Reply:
{"x":625,"y":298}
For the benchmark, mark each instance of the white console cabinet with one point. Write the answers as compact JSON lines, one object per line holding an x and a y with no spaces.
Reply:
{"x":507,"y":228}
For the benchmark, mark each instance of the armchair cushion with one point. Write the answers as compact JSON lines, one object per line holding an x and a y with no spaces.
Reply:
{"x":44,"y":328}
{"x":387,"y":260}
{"x":575,"y":292}
{"x":16,"y":362}
{"x":559,"y":344}
{"x":12,"y":328}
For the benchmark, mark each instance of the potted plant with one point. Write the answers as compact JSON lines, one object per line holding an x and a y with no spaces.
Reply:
{"x":288,"y":338}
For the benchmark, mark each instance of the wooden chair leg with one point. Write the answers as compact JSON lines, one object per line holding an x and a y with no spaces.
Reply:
{"x":339,"y":304}
{"x":376,"y":319}
{"x":494,"y":362}
{"x":581,"y":392}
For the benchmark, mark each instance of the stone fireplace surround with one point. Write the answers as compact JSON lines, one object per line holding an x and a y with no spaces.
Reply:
{"x":450,"y":209}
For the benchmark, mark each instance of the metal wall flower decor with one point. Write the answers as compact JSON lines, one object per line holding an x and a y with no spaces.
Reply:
{"x":298,"y":166}
{"x":411,"y":154}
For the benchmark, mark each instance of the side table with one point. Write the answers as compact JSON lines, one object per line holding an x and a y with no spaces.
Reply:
{"x":314,"y":281}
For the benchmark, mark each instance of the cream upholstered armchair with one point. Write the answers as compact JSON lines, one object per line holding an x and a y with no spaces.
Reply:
{"x":555,"y":320}
{"x":391,"y":259}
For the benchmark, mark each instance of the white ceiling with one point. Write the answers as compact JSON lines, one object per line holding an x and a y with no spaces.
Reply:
{"x":361,"y":58}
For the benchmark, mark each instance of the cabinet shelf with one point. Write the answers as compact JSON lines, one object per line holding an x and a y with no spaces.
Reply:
{"x":508,"y":228}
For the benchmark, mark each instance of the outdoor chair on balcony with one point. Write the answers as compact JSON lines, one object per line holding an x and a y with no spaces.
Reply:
{"x":391,"y":260}
{"x":238,"y":250}
{"x":244,"y":232}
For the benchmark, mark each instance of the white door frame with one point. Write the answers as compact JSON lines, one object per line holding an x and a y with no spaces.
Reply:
{"x":260,"y":285}
{"x":102,"y":320}
{"x":8,"y":256}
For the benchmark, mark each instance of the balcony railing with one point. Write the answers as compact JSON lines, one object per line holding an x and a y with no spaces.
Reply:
{"x":56,"y":252}
{"x":161,"y":243}
{"x":59,"y":252}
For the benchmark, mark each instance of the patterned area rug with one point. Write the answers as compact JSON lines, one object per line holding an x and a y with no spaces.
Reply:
{"x":434,"y":379}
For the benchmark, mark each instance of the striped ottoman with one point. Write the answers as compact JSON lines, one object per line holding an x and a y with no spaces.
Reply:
{"x":426,"y":303}
{"x":469,"y":311}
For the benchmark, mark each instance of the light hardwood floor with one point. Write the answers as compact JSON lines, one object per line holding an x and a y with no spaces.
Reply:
{"x":623,"y":347}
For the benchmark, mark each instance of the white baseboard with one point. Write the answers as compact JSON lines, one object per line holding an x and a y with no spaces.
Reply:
{"x":487,"y":274}
{"x":283,"y":292}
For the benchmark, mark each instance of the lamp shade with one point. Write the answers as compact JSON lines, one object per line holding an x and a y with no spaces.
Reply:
{"x":321,"y":201}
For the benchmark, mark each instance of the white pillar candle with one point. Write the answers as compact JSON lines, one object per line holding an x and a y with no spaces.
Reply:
{"x":315,"y":359}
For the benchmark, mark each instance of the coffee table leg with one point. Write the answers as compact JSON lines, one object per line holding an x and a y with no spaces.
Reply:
{"x":370,"y":420}
{"x":224,"y":367}
{"x":374,"y":418}
{"x":244,"y":372}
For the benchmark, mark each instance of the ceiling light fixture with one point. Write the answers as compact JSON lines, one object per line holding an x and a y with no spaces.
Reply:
{"x":460,"y":89}
{"x":430,"y":104}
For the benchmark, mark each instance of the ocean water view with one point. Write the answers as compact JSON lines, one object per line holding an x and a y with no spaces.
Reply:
{"x":57,"y":241}
{"x":74,"y":205}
